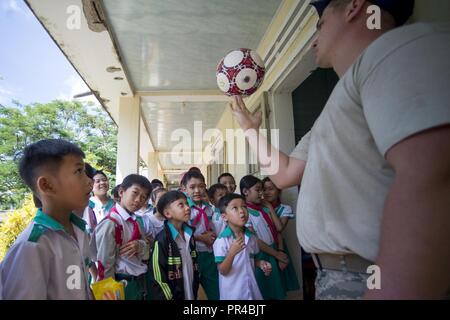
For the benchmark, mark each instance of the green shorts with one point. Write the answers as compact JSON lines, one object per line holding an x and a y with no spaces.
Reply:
{"x":209,"y":276}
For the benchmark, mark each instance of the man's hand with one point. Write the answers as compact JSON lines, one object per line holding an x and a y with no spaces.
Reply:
{"x":243,"y":116}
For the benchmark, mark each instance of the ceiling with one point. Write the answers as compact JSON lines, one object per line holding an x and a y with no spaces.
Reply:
{"x":174,"y":46}
{"x":177,"y":44}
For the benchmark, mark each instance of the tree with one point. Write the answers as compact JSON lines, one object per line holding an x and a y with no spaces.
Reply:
{"x":14,"y":224}
{"x":86,"y":125}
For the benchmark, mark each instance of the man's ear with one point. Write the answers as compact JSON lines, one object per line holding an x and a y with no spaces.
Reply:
{"x":224,"y":217}
{"x":183,"y":188}
{"x":45,"y":185}
{"x":353,"y":9}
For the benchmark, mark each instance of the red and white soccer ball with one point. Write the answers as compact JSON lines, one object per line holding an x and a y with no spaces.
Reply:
{"x":240,"y":72}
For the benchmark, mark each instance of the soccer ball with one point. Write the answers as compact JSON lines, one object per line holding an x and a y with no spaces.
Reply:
{"x":240,"y":72}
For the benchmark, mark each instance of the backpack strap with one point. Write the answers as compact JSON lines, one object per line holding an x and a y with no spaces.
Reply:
{"x":118,"y":230}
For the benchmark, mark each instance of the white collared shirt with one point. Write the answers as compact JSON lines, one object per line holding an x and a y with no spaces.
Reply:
{"x":108,"y":249}
{"x":240,"y":282}
{"x":262,"y":229}
{"x":47,"y":263}
{"x":188,"y":269}
{"x":101,"y":210}
{"x":200,"y":227}
{"x":219,"y":224}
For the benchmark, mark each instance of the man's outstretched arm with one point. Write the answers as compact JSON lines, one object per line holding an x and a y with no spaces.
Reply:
{"x":284,"y":171}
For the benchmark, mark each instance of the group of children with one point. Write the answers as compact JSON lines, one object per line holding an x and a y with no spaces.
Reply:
{"x":162,"y":244}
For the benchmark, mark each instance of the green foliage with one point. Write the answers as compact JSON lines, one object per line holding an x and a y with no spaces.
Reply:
{"x":86,"y":125}
{"x":14,"y":224}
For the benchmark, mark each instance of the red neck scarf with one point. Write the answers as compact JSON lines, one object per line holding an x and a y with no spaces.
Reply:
{"x":136,"y":235}
{"x":266,"y":217}
{"x":201,"y":214}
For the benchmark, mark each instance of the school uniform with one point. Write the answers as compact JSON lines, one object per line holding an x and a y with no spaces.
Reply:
{"x":271,"y":286}
{"x":219,"y":224}
{"x":240,"y":282}
{"x":173,"y":265}
{"x":91,"y":223}
{"x":158,"y":225}
{"x":201,"y":220}
{"x":89,"y":217}
{"x":289,"y":275}
{"x":100,"y":209}
{"x":47,"y":263}
{"x":117,"y":228}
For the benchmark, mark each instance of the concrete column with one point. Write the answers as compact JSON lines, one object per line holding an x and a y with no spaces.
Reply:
{"x":153,"y":172}
{"x":128,"y":138}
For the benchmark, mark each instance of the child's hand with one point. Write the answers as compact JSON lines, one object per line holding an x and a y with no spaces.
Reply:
{"x":266,"y":267}
{"x":281,"y":256}
{"x":130,"y":249}
{"x":237,"y":246}
{"x":267,"y":204}
{"x":282,"y":265}
{"x":208,"y":238}
{"x":109,"y":295}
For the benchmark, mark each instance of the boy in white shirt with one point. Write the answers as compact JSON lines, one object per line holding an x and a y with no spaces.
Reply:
{"x":236,"y":251}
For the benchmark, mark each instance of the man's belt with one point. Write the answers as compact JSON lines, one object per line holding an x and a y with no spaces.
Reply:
{"x":347,"y":262}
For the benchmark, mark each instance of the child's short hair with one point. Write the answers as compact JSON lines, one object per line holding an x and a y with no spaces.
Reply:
{"x":226,"y":174}
{"x":90,"y":170}
{"x":100,"y":172}
{"x":169,"y":198}
{"x":115,"y":192}
{"x":37,"y":202}
{"x":212,"y":190}
{"x":157,"y":183}
{"x":48,"y":153}
{"x":247,"y":182}
{"x":136,"y":179}
{"x":155,"y":193}
{"x":190,"y":175}
{"x":225,"y":200}
{"x":267,"y":179}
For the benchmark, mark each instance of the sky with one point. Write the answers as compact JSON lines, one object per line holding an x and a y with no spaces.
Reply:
{"x":32,"y":68}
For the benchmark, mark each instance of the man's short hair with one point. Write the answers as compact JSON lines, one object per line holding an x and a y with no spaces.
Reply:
{"x":401,"y":10}
{"x":225,"y":200}
{"x":44,"y":153}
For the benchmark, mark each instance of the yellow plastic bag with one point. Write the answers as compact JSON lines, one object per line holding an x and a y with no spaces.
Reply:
{"x":109,"y":289}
